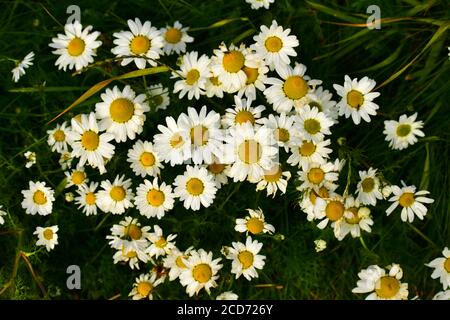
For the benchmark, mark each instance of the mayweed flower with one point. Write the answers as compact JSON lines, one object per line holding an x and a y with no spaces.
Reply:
{"x":30,"y":156}
{"x":402,"y":133}
{"x":47,"y":237}
{"x":19,"y":70}
{"x":441,"y":267}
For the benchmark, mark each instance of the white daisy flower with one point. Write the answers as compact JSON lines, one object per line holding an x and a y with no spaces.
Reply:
{"x":115,"y":197}
{"x":58,"y":138}
{"x":308,"y":201}
{"x":65,"y":161}
{"x":76,"y":177}
{"x":382,"y":286}
{"x":356,"y":218}
{"x":158,"y":97}
{"x":227,"y":295}
{"x":357,"y":99}
{"x":38,"y":199}
{"x":255,"y":5}
{"x":174,"y":262}
{"x":87,"y":198}
{"x":320,"y":245}
{"x":441,"y":267}
{"x":194,"y":72}
{"x":154,"y":200}
{"x":213,"y":87}
{"x":275,"y":45}
{"x":144,"y":286}
{"x":308,"y":151}
{"x":321,"y":99}
{"x":329,"y":209}
{"x":256,"y":78}
{"x":172,"y":144}
{"x":19,"y":70}
{"x":246,"y":258}
{"x":410,"y":201}
{"x":219,"y":171}
{"x":442,"y":295}
{"x":254,"y":223}
{"x":317,"y":175}
{"x":30,"y":156}
{"x":160,"y":246}
{"x":77,"y":47}
{"x":144,"y":159}
{"x":121,"y":113}
{"x":403,"y":132}
{"x":273,"y":179}
{"x":242,"y":113}
{"x":250,"y":151}
{"x":68,"y":196}
{"x":195,"y":187}
{"x":368,"y":187}
{"x":143,"y":44}
{"x":128,"y":236}
{"x":47,"y":237}
{"x":284,"y":130}
{"x":175,"y":38}
{"x":132,"y":257}
{"x":312,"y":124}
{"x":205,"y":133}
{"x":2,"y":213}
{"x":88,"y":144}
{"x":291,"y":90}
{"x":201,"y":272}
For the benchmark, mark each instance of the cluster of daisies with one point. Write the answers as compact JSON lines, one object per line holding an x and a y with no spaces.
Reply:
{"x":245,"y":142}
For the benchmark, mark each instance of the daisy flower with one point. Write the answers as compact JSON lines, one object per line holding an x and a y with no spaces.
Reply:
{"x":172,"y":144}
{"x":194,"y":72}
{"x":329,"y":209}
{"x":228,"y":64}
{"x":368,"y":187}
{"x":403,"y":132}
{"x":308,"y":151}
{"x":19,"y":70}
{"x":65,"y":160}
{"x":382,"y":285}
{"x":284,"y":129}
{"x":312,"y":124}
{"x":196,"y":186}
{"x":77,"y":47}
{"x":254,"y":223}
{"x":158,"y":97}
{"x":205,"y":133}
{"x":132,"y":256}
{"x":160,"y":246}
{"x":227,"y":295}
{"x":308,"y":201}
{"x":251,"y":151}
{"x":2,"y":213}
{"x":47,"y":237}
{"x":317,"y":175}
{"x":76,"y":177}
{"x":87,"y":198}
{"x":320,"y":245}
{"x":357,"y":99}
{"x":88,"y":144}
{"x":442,"y":295}
{"x":154,"y":200}
{"x":219,"y":171}
{"x":246,"y":258}
{"x":255,"y":5}
{"x":58,"y":138}
{"x":38,"y":199}
{"x":128,"y":236}
{"x":441,"y":268}
{"x":273,"y":179}
{"x":143,"y":44}
{"x":121,"y":113}
{"x":213,"y":87}
{"x":30,"y":156}
{"x":321,"y":99}
{"x":115,"y":197}
{"x":256,"y":78}
{"x":275,"y":45}
{"x":144,"y":159}
{"x":291,"y":90}
{"x":144,"y":286}
{"x":175,"y":38}
{"x":174,"y":262}
{"x":242,"y":113}
{"x":356,"y":218}
{"x":410,"y":201}
{"x":201,"y":272}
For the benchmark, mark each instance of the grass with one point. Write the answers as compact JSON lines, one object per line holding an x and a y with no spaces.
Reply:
{"x":408,"y":59}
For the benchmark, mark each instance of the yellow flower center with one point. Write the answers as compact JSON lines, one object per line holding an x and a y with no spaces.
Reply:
{"x":121,"y":110}
{"x":131,"y":254}
{"x":156,"y":100}
{"x":273,"y":175}
{"x":355,"y":219}
{"x":282,"y":134}
{"x":161,"y":243}
{"x":144,"y":288}
{"x":246,"y":259}
{"x":39,"y":197}
{"x":155,"y":197}
{"x":59,"y":136}
{"x":199,"y":135}
{"x":315,"y":104}
{"x":323,"y":193}
{"x":316,"y":175}
{"x":406,"y":199}
{"x":192,"y":76}
{"x":273,"y":44}
{"x":202,"y":273}
{"x":447,"y":265}
{"x":334,"y":210}
{"x":179,"y":262}
{"x":133,"y":231}
{"x":48,"y":234}
{"x":295,"y":87}
{"x":250,"y":151}
{"x":76,"y":47}
{"x":147,"y":159}
{"x":216,"y":168}
{"x":255,"y":225}
{"x":312,"y":126}
{"x":173,"y":35}
{"x":403,"y":130}
{"x":117,"y":193}
{"x":215,"y":81}
{"x":387,"y":287}
{"x":176,"y":141}
{"x":78,"y":177}
{"x":252,"y":74}
{"x":368,"y":184}
{"x":355,"y":99}
{"x":244,"y":116}
{"x":307,"y":148}
{"x":233,"y":61}
{"x":90,"y":140}
{"x":195,"y":186}
{"x":140,"y":45}
{"x":90,"y":198}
